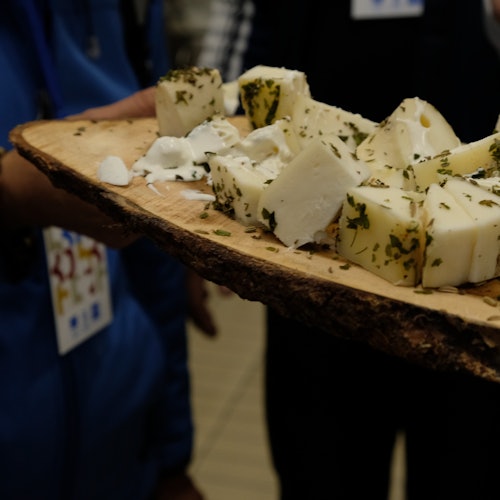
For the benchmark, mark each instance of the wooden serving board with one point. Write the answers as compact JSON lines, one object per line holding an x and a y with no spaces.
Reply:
{"x":441,"y":330}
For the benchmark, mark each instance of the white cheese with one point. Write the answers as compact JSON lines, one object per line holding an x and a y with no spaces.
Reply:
{"x":450,"y":238}
{"x":415,"y":130}
{"x":113,"y":170}
{"x":391,"y":177}
{"x":240,"y":175}
{"x":271,"y":146}
{"x":187,"y":97}
{"x":216,"y":135}
{"x":484,"y":208}
{"x":231,"y":95}
{"x":305,"y":198}
{"x":183,"y":158}
{"x":169,"y":159}
{"x":311,"y":119}
{"x":196,"y":194}
{"x":465,"y":159}
{"x":238,"y":186}
{"x":381,"y":230}
{"x":491,"y":184}
{"x":267,"y":93}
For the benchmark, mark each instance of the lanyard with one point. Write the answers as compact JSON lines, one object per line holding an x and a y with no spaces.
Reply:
{"x":33,"y":13}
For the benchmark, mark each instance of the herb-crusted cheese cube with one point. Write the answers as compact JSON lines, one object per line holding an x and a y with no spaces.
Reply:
{"x":187,"y":97}
{"x":491,"y":184}
{"x":465,"y":159}
{"x":381,"y":230}
{"x":312,"y":119}
{"x":241,"y":173}
{"x":414,"y":131}
{"x":450,"y":239}
{"x":300,"y":204}
{"x":267,"y":93}
{"x":484,"y":208}
{"x":391,"y":177}
{"x":237,"y":186}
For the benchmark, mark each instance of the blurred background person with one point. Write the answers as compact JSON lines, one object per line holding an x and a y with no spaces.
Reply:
{"x":335,"y":407}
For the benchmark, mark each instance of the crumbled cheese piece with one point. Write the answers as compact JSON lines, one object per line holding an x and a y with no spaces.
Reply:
{"x":169,"y":159}
{"x":196,"y":194}
{"x":184,"y":158}
{"x":113,"y":170}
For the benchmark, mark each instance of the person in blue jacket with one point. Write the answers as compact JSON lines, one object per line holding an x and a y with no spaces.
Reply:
{"x":333,"y":406}
{"x":94,"y":382}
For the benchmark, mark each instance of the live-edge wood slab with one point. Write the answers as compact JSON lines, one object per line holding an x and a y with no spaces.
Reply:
{"x":440,"y":330}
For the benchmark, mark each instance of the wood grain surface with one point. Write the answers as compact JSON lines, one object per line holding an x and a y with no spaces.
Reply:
{"x":440,"y":330}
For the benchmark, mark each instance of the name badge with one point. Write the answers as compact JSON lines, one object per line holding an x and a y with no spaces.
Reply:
{"x":79,"y":281}
{"x":379,"y":9}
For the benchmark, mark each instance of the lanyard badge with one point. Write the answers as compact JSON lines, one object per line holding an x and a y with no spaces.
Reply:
{"x":79,"y":282}
{"x":380,"y":9}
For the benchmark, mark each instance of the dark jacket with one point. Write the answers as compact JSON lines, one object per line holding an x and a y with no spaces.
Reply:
{"x":370,"y":66}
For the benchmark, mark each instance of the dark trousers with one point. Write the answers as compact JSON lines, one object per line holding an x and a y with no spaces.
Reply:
{"x":334,"y":408}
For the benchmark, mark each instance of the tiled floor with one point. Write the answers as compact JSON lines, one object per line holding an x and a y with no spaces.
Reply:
{"x":231,"y":458}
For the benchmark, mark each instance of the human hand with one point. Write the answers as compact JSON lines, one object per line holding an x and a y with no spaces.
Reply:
{"x":179,"y":487}
{"x":495,"y":9}
{"x":197,"y":303}
{"x":28,"y":198}
{"x":138,"y":105}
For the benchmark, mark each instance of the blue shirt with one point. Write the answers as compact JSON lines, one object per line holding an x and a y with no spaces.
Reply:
{"x":100,"y":421}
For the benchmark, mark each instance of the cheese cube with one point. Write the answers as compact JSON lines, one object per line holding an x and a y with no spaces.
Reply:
{"x":237,"y":186}
{"x":465,"y":159}
{"x":312,"y":119}
{"x":491,"y":184}
{"x":415,"y":130}
{"x":381,"y":230}
{"x":300,"y":204}
{"x":450,"y":239}
{"x":484,"y":208}
{"x":267,"y":93}
{"x":392,"y":177}
{"x":187,"y":97}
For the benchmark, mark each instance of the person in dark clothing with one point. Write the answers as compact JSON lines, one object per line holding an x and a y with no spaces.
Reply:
{"x":334,"y":407}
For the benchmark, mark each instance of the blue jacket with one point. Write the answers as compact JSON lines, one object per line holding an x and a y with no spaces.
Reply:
{"x":100,"y":421}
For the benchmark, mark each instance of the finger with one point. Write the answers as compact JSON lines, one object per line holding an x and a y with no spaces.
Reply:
{"x":204,"y":321}
{"x":138,"y":105}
